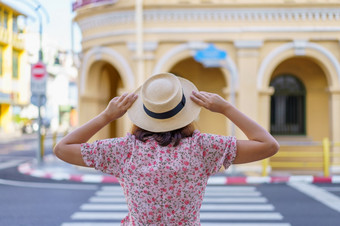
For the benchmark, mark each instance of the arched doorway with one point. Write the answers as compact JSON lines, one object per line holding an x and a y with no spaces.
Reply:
{"x":103,"y":83}
{"x":299,"y":116}
{"x":206,"y":79}
{"x":287,"y":113}
{"x":111,"y":84}
{"x":304,"y":84}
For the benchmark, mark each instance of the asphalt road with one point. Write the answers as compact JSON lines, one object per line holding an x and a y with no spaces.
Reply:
{"x":26,"y":200}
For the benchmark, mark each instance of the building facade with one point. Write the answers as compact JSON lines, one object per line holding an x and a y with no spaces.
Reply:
{"x":282,"y":67}
{"x":14,"y":82}
{"x":59,"y":111}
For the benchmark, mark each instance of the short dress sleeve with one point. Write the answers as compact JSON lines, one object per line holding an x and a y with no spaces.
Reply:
{"x":217,"y":150}
{"x":106,"y":155}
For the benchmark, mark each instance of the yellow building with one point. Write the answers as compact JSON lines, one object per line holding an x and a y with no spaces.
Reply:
{"x":13,"y":85}
{"x":282,"y":66}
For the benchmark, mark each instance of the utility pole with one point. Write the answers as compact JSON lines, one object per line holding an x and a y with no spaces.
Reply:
{"x":139,"y":20}
{"x":38,"y":96}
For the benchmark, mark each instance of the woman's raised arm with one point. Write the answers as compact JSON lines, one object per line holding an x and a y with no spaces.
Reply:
{"x":68,"y":149}
{"x":261,"y":143}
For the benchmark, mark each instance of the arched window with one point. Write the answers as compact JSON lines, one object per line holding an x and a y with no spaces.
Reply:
{"x":288,"y":106}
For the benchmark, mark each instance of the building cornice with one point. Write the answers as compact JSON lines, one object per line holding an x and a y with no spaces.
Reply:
{"x":216,"y":30}
{"x":214,"y":15}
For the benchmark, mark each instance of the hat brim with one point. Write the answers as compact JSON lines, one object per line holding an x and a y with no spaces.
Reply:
{"x":183,"y":118}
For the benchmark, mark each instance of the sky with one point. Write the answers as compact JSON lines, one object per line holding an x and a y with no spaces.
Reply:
{"x":60,"y":20}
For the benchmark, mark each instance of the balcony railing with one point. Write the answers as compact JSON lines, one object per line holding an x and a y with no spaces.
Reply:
{"x":4,"y":35}
{"x":323,"y":160}
{"x":18,"y":41}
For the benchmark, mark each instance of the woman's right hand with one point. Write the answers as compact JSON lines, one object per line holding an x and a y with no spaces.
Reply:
{"x":210,"y":101}
{"x":119,"y":105}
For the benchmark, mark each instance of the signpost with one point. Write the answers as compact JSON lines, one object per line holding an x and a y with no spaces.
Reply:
{"x":38,"y":80}
{"x":214,"y":57}
{"x":38,"y":98}
{"x":211,"y":56}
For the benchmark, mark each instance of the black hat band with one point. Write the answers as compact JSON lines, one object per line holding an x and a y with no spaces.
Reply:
{"x":168,"y":114}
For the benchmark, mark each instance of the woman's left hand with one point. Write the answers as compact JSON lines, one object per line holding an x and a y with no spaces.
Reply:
{"x":119,"y":105}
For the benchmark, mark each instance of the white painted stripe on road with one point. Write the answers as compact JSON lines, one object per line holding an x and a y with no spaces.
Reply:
{"x":241,"y":216}
{"x":110,"y":193}
{"x":24,"y":168}
{"x":230,"y":188}
{"x":308,"y":179}
{"x":205,"y":207}
{"x":245,"y":224}
{"x":89,"y":178}
{"x":104,"y":207}
{"x":10,"y":164}
{"x":235,"y":200}
{"x":207,"y":194}
{"x":336,"y":179}
{"x":90,"y":224}
{"x":233,"y":194}
{"x":236,"y":207}
{"x":38,"y":173}
{"x":60,"y":176}
{"x":205,"y":200}
{"x":112,"y":188}
{"x":118,"y":216}
{"x":319,"y":194}
{"x":203,"y":224}
{"x":334,"y":189}
{"x":108,"y":200}
{"x":258,"y":180}
{"x":48,"y":185}
{"x":203,"y":216}
{"x":208,"y":188}
{"x":217,"y":180}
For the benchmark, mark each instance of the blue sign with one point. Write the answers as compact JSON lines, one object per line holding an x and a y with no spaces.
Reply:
{"x":38,"y":100}
{"x":211,"y":56}
{"x":5,"y":98}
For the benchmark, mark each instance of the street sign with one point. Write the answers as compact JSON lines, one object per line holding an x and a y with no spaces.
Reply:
{"x":38,"y":102}
{"x":211,"y":56}
{"x":38,"y":79}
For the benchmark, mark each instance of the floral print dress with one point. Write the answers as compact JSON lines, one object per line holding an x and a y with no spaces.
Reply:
{"x":162,"y":185}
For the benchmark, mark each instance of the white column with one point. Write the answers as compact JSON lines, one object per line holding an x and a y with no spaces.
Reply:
{"x":139,"y":43}
{"x":248,"y":63}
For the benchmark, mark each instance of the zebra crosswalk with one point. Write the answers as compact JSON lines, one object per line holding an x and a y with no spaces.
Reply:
{"x":222,"y":206}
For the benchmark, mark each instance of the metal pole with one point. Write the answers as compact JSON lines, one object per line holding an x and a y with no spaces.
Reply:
{"x":36,"y":7}
{"x":38,"y":155}
{"x":326,"y":156}
{"x":139,"y":41}
{"x":40,"y":37}
{"x":40,"y":146}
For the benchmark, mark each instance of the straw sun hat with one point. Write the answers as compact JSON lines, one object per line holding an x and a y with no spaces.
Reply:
{"x":164,"y":104}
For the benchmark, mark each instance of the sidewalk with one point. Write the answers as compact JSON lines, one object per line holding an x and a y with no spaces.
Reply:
{"x":55,"y":169}
{"x":5,"y":138}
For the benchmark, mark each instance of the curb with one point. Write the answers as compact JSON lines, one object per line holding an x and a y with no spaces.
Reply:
{"x":26,"y":169}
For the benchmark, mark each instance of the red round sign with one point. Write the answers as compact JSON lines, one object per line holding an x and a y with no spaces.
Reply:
{"x":38,"y":70}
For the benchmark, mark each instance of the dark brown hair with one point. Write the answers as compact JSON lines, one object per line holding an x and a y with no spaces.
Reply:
{"x":164,"y":138}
